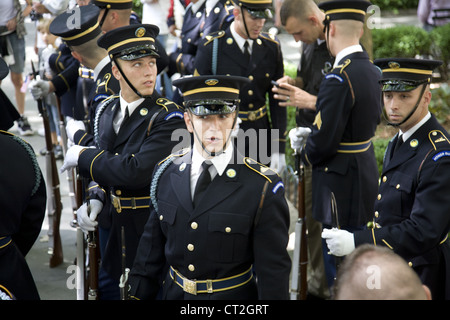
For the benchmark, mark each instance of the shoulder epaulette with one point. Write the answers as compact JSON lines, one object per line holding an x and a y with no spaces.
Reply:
{"x":164,"y":102}
{"x":269,"y":37}
{"x":259,"y":168}
{"x":215,"y":35}
{"x":343,"y":66}
{"x":104,"y":82}
{"x":437,"y":137}
{"x":176,"y":154}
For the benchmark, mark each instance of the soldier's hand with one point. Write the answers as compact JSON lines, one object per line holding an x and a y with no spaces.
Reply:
{"x":298,"y":137}
{"x":339,"y":242}
{"x":39,"y":88}
{"x":71,"y":158}
{"x":73,"y":126}
{"x":87,"y":215}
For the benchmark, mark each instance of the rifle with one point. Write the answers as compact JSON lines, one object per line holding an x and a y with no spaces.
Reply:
{"x":54,"y":197}
{"x":336,"y":224}
{"x":123,"y":283}
{"x":93,"y":265}
{"x":300,"y":258}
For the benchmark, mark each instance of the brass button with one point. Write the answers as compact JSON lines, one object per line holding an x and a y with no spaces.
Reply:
{"x":194,"y":225}
{"x":161,"y":217}
{"x":384,"y":179}
{"x":250,"y":92}
{"x":227,"y":229}
{"x":397,"y":186}
{"x":377,"y":214}
{"x":410,"y":264}
{"x":326,"y":169}
{"x":191,"y":267}
{"x":251,"y":77}
{"x":190,"y":247}
{"x":379,"y":197}
{"x":118,"y":192}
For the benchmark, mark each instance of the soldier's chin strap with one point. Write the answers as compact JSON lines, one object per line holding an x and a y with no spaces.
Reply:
{"x":104,"y":17}
{"x":410,"y":114}
{"x":128,"y":81}
{"x":245,"y":23}
{"x":214,"y":154}
{"x":326,"y":30}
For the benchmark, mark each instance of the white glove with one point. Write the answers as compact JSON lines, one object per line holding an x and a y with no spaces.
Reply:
{"x":73,"y":126}
{"x":71,"y":158}
{"x":39,"y":88}
{"x":87,"y":221}
{"x":298,"y":136}
{"x":340,"y":242}
{"x":278,"y":162}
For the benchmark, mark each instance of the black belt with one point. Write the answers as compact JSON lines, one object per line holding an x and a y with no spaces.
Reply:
{"x":210,"y":286}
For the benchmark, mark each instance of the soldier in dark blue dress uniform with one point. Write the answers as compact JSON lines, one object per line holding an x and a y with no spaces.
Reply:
{"x":182,"y":59}
{"x":223,"y":52}
{"x":132,"y":134}
{"x":348,"y":110}
{"x":82,"y":43}
{"x":221,"y":239}
{"x":23,"y":201}
{"x":411,"y":214}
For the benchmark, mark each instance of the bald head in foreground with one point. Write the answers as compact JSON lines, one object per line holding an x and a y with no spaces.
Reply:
{"x":377,"y":273}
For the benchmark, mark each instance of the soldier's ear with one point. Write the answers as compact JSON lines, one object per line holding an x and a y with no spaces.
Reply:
{"x":187,"y":120}
{"x":115,"y":71}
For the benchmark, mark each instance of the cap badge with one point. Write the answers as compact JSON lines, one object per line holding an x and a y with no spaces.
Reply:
{"x":211,"y":82}
{"x":394,"y":65}
{"x":140,"y":32}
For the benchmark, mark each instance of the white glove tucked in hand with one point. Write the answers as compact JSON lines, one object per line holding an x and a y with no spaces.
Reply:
{"x":87,"y":221}
{"x":340,"y":242}
{"x":278,"y":162}
{"x":39,"y":89}
{"x":73,"y":126}
{"x":298,"y":136}
{"x":71,"y":158}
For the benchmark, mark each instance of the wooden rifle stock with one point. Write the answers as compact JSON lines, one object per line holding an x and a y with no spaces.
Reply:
{"x":55,"y":246}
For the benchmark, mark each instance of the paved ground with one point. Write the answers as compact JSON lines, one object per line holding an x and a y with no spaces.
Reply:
{"x":56,"y":283}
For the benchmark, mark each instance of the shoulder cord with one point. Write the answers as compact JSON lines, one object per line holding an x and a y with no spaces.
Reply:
{"x":99,"y":112}
{"x":155,"y":181}
{"x":214,"y":55}
{"x":37,"y":170}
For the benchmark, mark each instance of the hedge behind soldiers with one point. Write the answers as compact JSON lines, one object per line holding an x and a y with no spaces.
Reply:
{"x":132,"y":133}
{"x":23,"y":202}
{"x":347,"y":114}
{"x":242,"y":50}
{"x":411,"y":214}
{"x":220,"y":233}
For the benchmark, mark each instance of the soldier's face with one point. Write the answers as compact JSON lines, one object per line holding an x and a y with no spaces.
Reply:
{"x":398,"y":106}
{"x":212,"y":130}
{"x":254,"y":25}
{"x":140,"y":72}
{"x":307,"y":31}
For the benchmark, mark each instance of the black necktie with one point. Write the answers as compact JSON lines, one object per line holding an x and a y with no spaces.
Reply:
{"x":127,"y":115}
{"x":397,"y":145}
{"x":246,"y":52}
{"x":202,"y":183}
